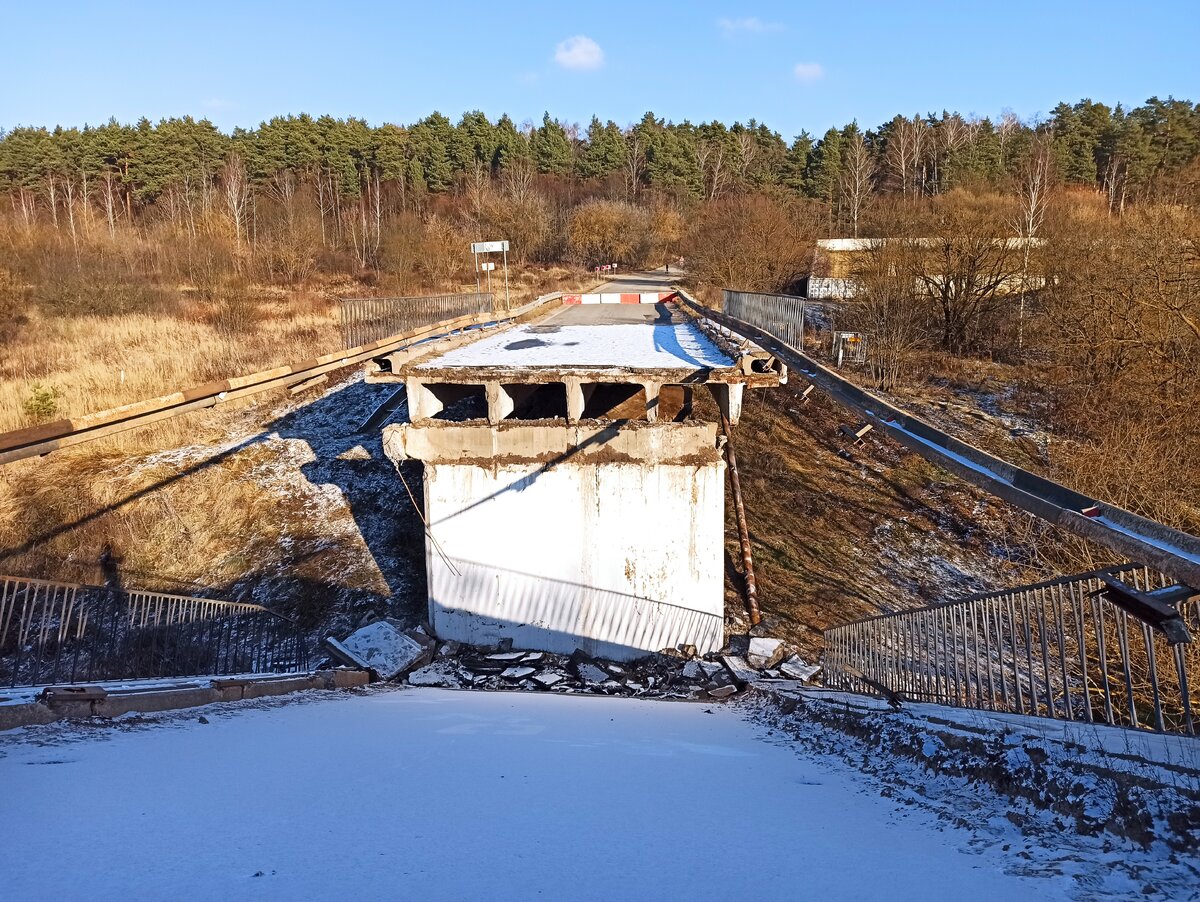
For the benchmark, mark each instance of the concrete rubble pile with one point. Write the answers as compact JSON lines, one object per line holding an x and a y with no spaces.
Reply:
{"x":415,"y":657}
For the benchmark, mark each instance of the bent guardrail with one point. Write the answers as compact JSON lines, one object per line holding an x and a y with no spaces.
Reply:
{"x":1113,"y":646}
{"x":53,"y":632}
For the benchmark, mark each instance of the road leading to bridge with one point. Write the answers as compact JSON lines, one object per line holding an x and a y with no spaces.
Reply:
{"x":434,"y":794}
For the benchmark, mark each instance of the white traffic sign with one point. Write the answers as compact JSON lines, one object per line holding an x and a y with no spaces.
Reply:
{"x":487,"y":267}
{"x":489,"y":247}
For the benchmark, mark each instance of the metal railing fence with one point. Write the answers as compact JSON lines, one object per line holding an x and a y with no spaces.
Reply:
{"x":365,"y":320}
{"x":1059,"y":649}
{"x":54,"y":632}
{"x":790,"y":318}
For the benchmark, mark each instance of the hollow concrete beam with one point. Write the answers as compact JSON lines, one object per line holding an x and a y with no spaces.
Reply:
{"x":423,"y":404}
{"x":728,"y":396}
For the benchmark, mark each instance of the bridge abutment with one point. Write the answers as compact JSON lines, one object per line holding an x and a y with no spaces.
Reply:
{"x":562,"y":537}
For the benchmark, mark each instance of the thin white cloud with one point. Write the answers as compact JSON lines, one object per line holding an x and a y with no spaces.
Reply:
{"x":579,"y":52}
{"x":218,"y":103}
{"x":748,"y":25}
{"x":807,"y":73}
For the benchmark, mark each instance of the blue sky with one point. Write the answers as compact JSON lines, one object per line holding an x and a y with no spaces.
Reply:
{"x":791,"y":65}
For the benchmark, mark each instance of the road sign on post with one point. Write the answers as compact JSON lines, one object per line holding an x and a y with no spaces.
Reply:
{"x":491,"y":247}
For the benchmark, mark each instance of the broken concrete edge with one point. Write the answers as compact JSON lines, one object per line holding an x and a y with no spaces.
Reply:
{"x":79,"y":702}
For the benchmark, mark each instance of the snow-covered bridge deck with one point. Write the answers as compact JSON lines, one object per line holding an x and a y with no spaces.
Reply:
{"x":432,"y":794}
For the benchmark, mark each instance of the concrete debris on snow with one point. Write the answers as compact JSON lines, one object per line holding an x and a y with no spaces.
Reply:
{"x":678,"y":673}
{"x":796,"y":668}
{"x":382,"y":648}
{"x":420,"y":659}
{"x":765,"y":653}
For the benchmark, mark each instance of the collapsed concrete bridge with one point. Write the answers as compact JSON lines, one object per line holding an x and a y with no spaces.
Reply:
{"x":573,"y":498}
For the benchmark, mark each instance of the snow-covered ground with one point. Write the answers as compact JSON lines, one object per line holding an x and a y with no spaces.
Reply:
{"x":435,"y":794}
{"x":610,"y":345}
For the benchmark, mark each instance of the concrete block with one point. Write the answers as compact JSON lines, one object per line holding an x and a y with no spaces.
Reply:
{"x":796,"y":668}
{"x":650,"y":391}
{"x":765,"y":653}
{"x":343,"y":678}
{"x":380,"y":647}
{"x":423,"y":404}
{"x":739,"y":669}
{"x":267,"y":688}
{"x":575,"y":399}
{"x":728,"y":396}
{"x":500,"y":403}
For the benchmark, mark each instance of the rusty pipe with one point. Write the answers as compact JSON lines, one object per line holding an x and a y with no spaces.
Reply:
{"x":743,"y":530}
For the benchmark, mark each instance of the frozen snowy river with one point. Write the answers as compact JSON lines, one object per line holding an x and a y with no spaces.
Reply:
{"x":436,"y":794}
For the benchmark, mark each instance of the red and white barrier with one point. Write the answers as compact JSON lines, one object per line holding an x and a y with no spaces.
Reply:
{"x":646,"y":297}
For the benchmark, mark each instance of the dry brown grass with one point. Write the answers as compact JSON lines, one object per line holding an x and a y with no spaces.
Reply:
{"x":232,"y":508}
{"x":840,"y":532}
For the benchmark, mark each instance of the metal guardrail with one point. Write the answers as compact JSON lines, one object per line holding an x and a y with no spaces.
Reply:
{"x":1128,"y":535}
{"x":1087,"y":647}
{"x":364,"y":320}
{"x":54,"y":632}
{"x":790,"y":317}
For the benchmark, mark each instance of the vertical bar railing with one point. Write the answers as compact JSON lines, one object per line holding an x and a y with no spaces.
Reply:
{"x":365,"y":320}
{"x":59,"y":632}
{"x":1059,"y":649}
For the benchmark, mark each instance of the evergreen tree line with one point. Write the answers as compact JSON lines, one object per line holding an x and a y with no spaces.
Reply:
{"x":353,"y":177}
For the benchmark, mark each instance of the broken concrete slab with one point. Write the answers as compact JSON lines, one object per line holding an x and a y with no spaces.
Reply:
{"x":797,"y":668}
{"x":765,"y":653}
{"x":549,"y":678}
{"x":721,"y":691}
{"x":440,"y":673}
{"x":590,"y":673}
{"x":693,"y":670}
{"x":518,"y":673}
{"x":380,"y":647}
{"x":711,"y":668}
{"x":739,"y":669}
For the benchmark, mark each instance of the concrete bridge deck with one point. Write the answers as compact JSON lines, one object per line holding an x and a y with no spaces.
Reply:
{"x":439,"y":795}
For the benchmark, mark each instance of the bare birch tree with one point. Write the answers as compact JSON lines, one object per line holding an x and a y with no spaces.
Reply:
{"x":236,"y":187}
{"x":634,"y":165}
{"x":856,"y":181}
{"x":1033,"y":199}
